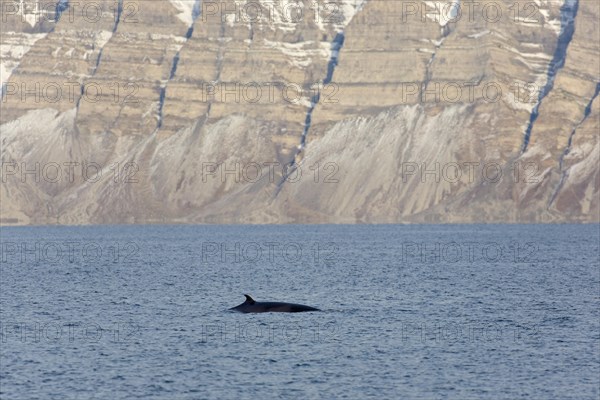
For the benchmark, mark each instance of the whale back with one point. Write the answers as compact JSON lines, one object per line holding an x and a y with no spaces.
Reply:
{"x":252,"y":306}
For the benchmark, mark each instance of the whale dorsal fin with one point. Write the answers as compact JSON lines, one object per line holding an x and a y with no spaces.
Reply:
{"x":249,"y":299}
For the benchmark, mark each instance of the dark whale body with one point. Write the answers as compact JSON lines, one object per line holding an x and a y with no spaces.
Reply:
{"x":251,"y":306}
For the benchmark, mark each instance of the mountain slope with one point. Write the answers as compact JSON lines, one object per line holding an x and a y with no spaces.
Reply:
{"x":360,"y":111}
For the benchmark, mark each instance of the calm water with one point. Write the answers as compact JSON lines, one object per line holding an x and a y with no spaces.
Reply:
{"x":412,"y":312}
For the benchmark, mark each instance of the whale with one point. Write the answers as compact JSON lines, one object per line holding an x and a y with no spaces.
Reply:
{"x":252,"y":306}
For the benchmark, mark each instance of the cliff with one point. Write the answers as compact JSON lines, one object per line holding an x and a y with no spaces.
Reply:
{"x":282,"y":111}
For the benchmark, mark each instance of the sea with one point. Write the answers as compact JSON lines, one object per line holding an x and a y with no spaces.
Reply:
{"x":407,"y":312}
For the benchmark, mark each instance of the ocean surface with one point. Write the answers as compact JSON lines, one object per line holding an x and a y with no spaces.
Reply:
{"x":412,"y":312}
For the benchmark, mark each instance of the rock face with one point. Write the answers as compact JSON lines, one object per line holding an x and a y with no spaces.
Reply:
{"x":256,"y":111}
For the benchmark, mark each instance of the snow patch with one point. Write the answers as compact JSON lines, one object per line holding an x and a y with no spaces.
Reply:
{"x":568,"y":12}
{"x":479,"y":34}
{"x":102,"y":38}
{"x":14,"y":46}
{"x":302,"y":53}
{"x":543,"y":8}
{"x":516,"y":103}
{"x":186,"y":9}
{"x":349,"y":8}
{"x":442,"y":12}
{"x":171,"y":38}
